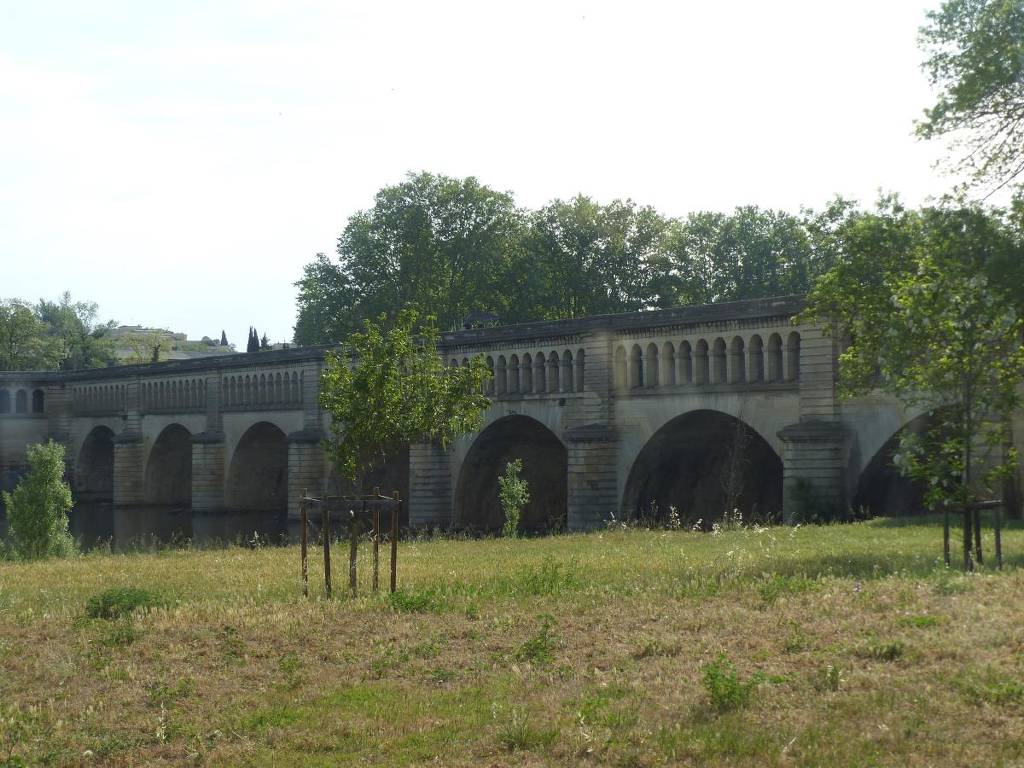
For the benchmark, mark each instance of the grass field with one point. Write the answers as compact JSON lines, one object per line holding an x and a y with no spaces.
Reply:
{"x":845,"y":645}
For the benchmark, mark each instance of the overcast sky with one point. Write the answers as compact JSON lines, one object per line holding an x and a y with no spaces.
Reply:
{"x":179,"y":162}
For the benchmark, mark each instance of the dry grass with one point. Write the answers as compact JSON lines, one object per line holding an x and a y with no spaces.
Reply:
{"x":857,"y":647}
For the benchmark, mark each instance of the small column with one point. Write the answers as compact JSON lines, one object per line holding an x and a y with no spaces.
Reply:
{"x":306,"y":467}
{"x":430,"y":487}
{"x":592,"y":480}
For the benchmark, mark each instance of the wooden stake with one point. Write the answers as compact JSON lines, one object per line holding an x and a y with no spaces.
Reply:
{"x":304,"y":522}
{"x":977,"y":536}
{"x":999,"y":536}
{"x":394,"y":539}
{"x":327,"y":547}
{"x":353,"y":551}
{"x":376,"y":541}
{"x":945,"y":534}
{"x":968,"y":562}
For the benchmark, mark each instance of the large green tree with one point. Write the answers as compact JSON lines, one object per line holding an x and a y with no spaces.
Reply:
{"x":75,"y":338}
{"x":975,"y":59}
{"x":22,"y":337}
{"x":433,"y":243}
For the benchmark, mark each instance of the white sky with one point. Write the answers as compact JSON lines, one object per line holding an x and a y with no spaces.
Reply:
{"x":179,"y":162}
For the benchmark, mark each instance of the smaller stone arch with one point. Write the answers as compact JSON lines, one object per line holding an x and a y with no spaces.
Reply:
{"x":501,"y":376}
{"x":684,"y":361}
{"x":489,"y":385}
{"x":21,"y":401}
{"x":278,"y":388}
{"x":668,"y":364}
{"x":636,"y":367}
{"x":755,"y":360}
{"x":513,"y":374}
{"x":580,"y":356}
{"x":568,"y":373}
{"x":719,"y":370}
{"x":296,"y":388}
{"x":540,"y":385}
{"x":774,"y":358}
{"x":5,"y":401}
{"x":702,"y":363}
{"x":554,"y":364}
{"x":526,"y":373}
{"x":651,"y":372}
{"x":737,"y":361}
{"x":793,"y":357}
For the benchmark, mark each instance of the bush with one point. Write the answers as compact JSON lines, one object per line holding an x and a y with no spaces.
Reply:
{"x":37,"y":511}
{"x":724,"y":686}
{"x":119,"y":602}
{"x":514,"y":494}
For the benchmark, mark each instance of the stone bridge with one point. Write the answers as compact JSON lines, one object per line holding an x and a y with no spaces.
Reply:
{"x":699,"y":408}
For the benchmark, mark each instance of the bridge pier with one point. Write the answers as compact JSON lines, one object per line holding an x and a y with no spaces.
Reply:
{"x":814,"y":464}
{"x":593,"y":478}
{"x":208,"y":472}
{"x":128,"y":470}
{"x":430,"y":486}
{"x":306,"y":467}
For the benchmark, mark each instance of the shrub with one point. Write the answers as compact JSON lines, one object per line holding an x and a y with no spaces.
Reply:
{"x":514,"y":494}
{"x":118,"y":602}
{"x":724,"y":686}
{"x":539,"y":649}
{"x":37,"y":511}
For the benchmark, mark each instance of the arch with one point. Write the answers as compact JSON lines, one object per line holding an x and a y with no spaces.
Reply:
{"x":258,"y":473}
{"x":580,"y":360}
{"x":5,"y":401}
{"x":554,"y":363}
{"x":539,"y":376}
{"x":651,"y":372}
{"x":793,"y":357}
{"x":568,"y":373}
{"x":296,"y":391}
{"x":38,"y":401}
{"x":718,"y":362}
{"x":668,"y":364}
{"x":513,"y":374}
{"x":545,"y":469}
{"x":489,"y":385}
{"x":703,"y":463}
{"x":774,"y":358}
{"x":636,"y":367}
{"x":621,"y":375}
{"x":755,"y":360}
{"x":702,"y":363}
{"x":278,"y":388}
{"x":21,"y":401}
{"x":881,"y":489}
{"x":94,"y":466}
{"x":168,"y":477}
{"x":684,"y":362}
{"x":501,"y":376}
{"x":737,"y":361}
{"x":527,"y":374}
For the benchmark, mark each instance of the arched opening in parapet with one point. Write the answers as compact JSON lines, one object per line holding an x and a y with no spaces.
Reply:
{"x":545,"y":469}
{"x":38,"y":401}
{"x":258,"y":475}
{"x":702,"y":464}
{"x":94,"y":469}
{"x":168,"y":479}
{"x":881,"y":490}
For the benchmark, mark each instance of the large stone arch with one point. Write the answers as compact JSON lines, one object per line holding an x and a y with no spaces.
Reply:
{"x":701,"y":463}
{"x":881,"y":490}
{"x":257,"y":478}
{"x":168,"y":476}
{"x":545,"y":469}
{"x":94,"y":466}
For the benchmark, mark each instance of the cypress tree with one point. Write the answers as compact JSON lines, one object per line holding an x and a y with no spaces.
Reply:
{"x":223,"y":338}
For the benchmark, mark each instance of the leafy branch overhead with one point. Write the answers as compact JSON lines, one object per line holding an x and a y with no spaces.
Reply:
{"x":389,"y":388}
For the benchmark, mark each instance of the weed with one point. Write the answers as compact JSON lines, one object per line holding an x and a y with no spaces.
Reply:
{"x":878,"y":650}
{"x":17,"y":727}
{"x":162,"y":694}
{"x":990,"y":686}
{"x":413,"y":601}
{"x":290,"y":667}
{"x":119,"y":634}
{"x":118,"y":602}
{"x":726,"y":690}
{"x":233,"y":646}
{"x":796,"y":641}
{"x":948,"y":584}
{"x":656,"y":647}
{"x":539,"y":649}
{"x":516,"y":733}
{"x":829,"y":678}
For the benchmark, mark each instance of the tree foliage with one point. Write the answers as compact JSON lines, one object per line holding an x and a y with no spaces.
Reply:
{"x":929,"y":305}
{"x":37,"y":510}
{"x":389,"y":388}
{"x":975,"y":58}
{"x":62,"y":334}
{"x":514,"y":494}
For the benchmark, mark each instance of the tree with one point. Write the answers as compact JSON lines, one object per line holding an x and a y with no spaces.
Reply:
{"x":22,"y":337}
{"x":74,"y":339}
{"x":223,"y":338}
{"x":147,"y":346}
{"x":264,"y":342}
{"x":389,"y":387}
{"x":929,"y":316}
{"x":37,"y":511}
{"x":514,"y":494}
{"x":586,"y":258}
{"x":253,"y":344}
{"x":432,"y":243}
{"x":975,"y":58}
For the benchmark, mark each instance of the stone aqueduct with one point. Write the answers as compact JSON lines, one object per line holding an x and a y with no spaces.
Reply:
{"x":610,"y":414}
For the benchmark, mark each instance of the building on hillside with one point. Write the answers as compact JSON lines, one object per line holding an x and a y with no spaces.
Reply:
{"x":135,"y":344}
